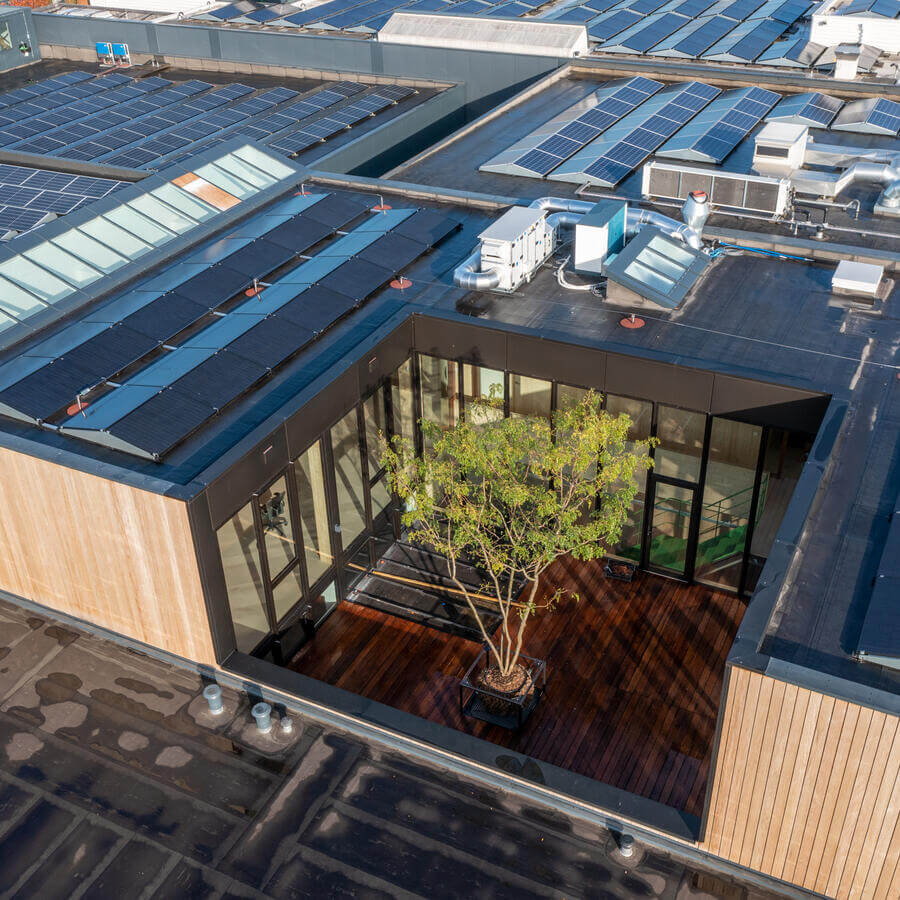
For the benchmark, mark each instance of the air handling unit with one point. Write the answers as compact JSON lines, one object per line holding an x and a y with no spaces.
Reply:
{"x":767,"y":194}
{"x":516,"y":245}
{"x":598,"y":234}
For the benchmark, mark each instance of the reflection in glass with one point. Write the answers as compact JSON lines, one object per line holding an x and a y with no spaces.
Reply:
{"x":440,"y":391}
{"x":480,"y":383}
{"x":323,"y":602}
{"x":243,"y":579}
{"x":640,"y":412}
{"x":275,"y":516}
{"x":529,"y":397}
{"x":680,"y":434}
{"x":376,"y":430}
{"x":287,"y":593}
{"x":783,"y":460}
{"x":348,"y":477}
{"x":381,"y":497}
{"x":670,"y":526}
{"x":403,"y":401}
{"x":310,"y":479}
{"x":727,"y":496}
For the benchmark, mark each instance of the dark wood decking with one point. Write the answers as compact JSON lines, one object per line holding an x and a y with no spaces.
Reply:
{"x":635,"y":676}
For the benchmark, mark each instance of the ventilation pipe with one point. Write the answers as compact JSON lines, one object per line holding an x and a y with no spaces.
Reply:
{"x":469,"y":275}
{"x":695,"y":212}
{"x":885,"y":174}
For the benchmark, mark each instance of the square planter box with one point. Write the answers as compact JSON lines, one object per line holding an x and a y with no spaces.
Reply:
{"x":472,"y":694}
{"x":620,"y":570}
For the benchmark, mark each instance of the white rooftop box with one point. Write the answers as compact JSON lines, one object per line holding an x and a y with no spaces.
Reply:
{"x":856,"y":278}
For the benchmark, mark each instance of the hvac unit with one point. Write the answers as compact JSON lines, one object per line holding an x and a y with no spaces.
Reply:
{"x":516,"y":245}
{"x":597,"y":234}
{"x":726,"y":190}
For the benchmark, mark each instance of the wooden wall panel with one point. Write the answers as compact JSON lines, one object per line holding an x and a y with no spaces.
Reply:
{"x":806,"y":788}
{"x":104,"y":552}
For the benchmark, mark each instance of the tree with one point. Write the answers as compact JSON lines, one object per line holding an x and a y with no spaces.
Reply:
{"x":511,"y":496}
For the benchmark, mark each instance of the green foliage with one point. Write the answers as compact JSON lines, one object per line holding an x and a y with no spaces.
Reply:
{"x":513,"y":495}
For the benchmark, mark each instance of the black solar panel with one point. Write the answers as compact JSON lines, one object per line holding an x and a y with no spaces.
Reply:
{"x":161,"y":422}
{"x":221,"y":378}
{"x":393,"y":251}
{"x":427,"y":225}
{"x":215,"y":285}
{"x":299,"y":234}
{"x":271,"y":342}
{"x":49,"y":389}
{"x":316,"y":308}
{"x":336,"y":210}
{"x":111,"y":350}
{"x":166,"y":316}
{"x":357,"y":279}
{"x":259,"y":258}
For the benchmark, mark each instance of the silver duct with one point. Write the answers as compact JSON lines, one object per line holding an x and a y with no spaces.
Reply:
{"x":874,"y":173}
{"x":468,"y":274}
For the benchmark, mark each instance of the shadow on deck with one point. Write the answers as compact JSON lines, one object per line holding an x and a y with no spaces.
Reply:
{"x":635,"y":671}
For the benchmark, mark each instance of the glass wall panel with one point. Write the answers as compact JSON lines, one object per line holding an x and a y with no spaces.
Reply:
{"x":113,"y":236}
{"x":287,"y":593}
{"x":185,"y":203}
{"x":348,"y":477}
{"x":680,"y":434}
{"x":376,"y":427}
{"x":403,"y":401}
{"x":670,"y":527}
{"x":261,"y":160}
{"x":35,"y":279}
{"x":146,"y":229}
{"x":74,"y":270}
{"x":243,"y":579}
{"x":480,"y":383}
{"x":18,"y":301}
{"x":86,"y":248}
{"x":727,"y":497}
{"x":783,"y":461}
{"x":641,"y":413}
{"x":275,"y":516}
{"x":529,"y":396}
{"x":323,"y":602}
{"x":381,"y":497}
{"x":162,"y":213}
{"x":440,"y":391}
{"x":310,"y":477}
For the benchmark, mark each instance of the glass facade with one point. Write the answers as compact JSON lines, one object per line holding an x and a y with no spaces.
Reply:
{"x":348,"y":478}
{"x":244,"y":579}
{"x":310,"y":478}
{"x":707,"y":511}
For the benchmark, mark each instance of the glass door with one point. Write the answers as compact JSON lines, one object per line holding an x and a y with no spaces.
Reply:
{"x":669,"y":544}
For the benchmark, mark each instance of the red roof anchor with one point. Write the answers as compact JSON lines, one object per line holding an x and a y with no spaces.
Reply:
{"x":632,"y":321}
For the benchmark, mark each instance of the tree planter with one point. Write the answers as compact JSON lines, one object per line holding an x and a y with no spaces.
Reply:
{"x":509,"y":706}
{"x":621,"y":571}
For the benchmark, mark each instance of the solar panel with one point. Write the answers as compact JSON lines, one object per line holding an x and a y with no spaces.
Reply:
{"x":693,"y":39}
{"x":627,"y":144}
{"x":814,"y":109}
{"x":870,"y":116}
{"x":540,"y":152}
{"x":315,"y":309}
{"x":747,"y":41}
{"x":644,"y":35}
{"x":603,"y":28}
{"x":721,"y":126}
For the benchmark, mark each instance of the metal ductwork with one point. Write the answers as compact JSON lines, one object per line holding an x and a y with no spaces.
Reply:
{"x":695,"y":211}
{"x":884,"y":174}
{"x":469,"y":275}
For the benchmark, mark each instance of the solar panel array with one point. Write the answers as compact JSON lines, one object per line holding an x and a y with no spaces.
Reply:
{"x":870,"y":116}
{"x":545,"y":148}
{"x":200,"y":343}
{"x":719,"y":128}
{"x":611,"y":158}
{"x":813,"y":109}
{"x":27,"y":196}
{"x":151,"y":122}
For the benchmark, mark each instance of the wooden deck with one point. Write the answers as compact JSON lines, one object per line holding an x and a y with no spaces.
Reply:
{"x":635,"y":676}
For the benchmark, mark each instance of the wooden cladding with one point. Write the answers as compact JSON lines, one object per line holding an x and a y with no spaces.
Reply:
{"x":806,"y":788}
{"x":101,"y":551}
